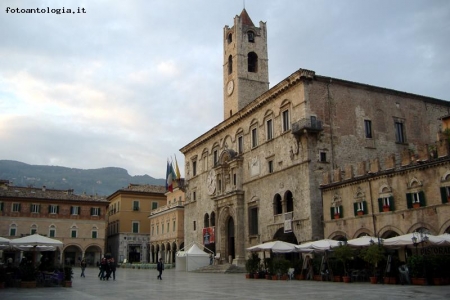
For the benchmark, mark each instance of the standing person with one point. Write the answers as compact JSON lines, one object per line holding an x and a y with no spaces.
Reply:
{"x":160,"y":268}
{"x":103,"y":265}
{"x":112,"y":265}
{"x":83,"y":267}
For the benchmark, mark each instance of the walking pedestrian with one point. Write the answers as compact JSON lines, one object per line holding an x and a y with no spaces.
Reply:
{"x":160,"y":268}
{"x":113,"y":268}
{"x":83,"y":267}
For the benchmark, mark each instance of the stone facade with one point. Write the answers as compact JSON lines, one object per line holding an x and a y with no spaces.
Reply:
{"x":167,"y":227}
{"x":258,"y":172}
{"x":128,"y":224}
{"x":386,"y":198}
{"x":79,"y":221}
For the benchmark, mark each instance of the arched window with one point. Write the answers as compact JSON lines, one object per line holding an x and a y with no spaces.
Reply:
{"x":289,"y":201}
{"x":229,"y":38}
{"x":206,"y":221}
{"x":230,"y":64}
{"x":277,"y":206}
{"x":212,"y":219}
{"x":252,"y":59}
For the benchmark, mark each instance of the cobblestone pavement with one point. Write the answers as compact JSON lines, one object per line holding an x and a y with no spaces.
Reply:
{"x":142,"y":284}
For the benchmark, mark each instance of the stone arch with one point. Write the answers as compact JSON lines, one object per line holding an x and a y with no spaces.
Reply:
{"x":285,"y":102}
{"x":414,"y":183}
{"x":289,"y":201}
{"x":227,"y":142}
{"x":337,"y":235}
{"x":206,"y":220}
{"x":445,"y":228}
{"x":422,"y":225}
{"x":277,"y":204}
{"x":361,"y":232}
{"x":212,"y":219}
{"x":268,"y":113}
{"x":71,"y":253}
{"x":289,"y":237}
{"x":446,"y":176}
{"x":226,"y":156}
{"x":385,"y":189}
{"x":225,"y":214}
{"x":390,"y":231}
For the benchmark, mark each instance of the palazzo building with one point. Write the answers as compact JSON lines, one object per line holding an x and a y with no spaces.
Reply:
{"x":256,"y":176}
{"x":78,"y":221}
{"x":128,"y":224}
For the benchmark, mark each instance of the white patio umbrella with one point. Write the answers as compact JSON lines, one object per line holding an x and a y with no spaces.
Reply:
{"x":4,"y":243}
{"x":407,"y":240}
{"x":363,"y":241}
{"x":36,"y":241}
{"x":274,"y":246}
{"x":445,"y":238}
{"x":318,"y":246}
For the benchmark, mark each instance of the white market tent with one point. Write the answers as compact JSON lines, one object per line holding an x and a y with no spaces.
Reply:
{"x":36,"y":242}
{"x":192,"y":259}
{"x":363,"y":241}
{"x":318,"y":246}
{"x":407,"y":240}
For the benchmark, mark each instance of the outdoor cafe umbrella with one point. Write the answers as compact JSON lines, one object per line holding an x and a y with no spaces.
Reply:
{"x":274,"y":246}
{"x":408,"y":240}
{"x":36,"y":242}
{"x":4,"y":243}
{"x":318,"y":246}
{"x":363,"y":241}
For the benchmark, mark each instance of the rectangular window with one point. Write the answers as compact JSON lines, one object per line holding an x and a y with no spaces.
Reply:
{"x":254,"y":138}
{"x":74,"y":210}
{"x":35,"y":208}
{"x":286,"y":124}
{"x":415,"y":198}
{"x":270,"y":166}
{"x":135,"y":227}
{"x":368,"y":128}
{"x":399,"y":132}
{"x":194,"y":196}
{"x":322,"y":156}
{"x":234,"y":179}
{"x":253,"y":221}
{"x":269,"y":129}
{"x":16,"y":207}
{"x":154,"y":205}
{"x":95,"y":211}
{"x":195,"y":225}
{"x":153,"y":231}
{"x":94,"y":234}
{"x":174,"y":226}
{"x":73,"y":233}
{"x":12,"y":231}
{"x":168,"y":227}
{"x":240,"y":145}
{"x":194,"y":168}
{"x":135,"y":205}
{"x":157,"y":229}
{"x":1,"y":206}
{"x":52,"y":233}
{"x":53,"y":209}
{"x":162,"y":228}
{"x":33,"y":230}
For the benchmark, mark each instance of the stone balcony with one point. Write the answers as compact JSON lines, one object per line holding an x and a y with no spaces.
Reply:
{"x":307,"y":125}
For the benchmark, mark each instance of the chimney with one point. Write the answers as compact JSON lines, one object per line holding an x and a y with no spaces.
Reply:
{"x":43,"y":188}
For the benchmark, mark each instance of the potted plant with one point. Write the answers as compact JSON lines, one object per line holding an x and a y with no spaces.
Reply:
{"x":416,"y":266}
{"x":68,"y":275}
{"x":28,"y":274}
{"x":386,"y":208}
{"x":268,"y":264}
{"x":344,"y":253}
{"x":373,"y":255}
{"x":252,"y":264}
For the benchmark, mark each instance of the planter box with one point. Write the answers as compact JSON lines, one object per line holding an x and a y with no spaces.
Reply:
{"x":416,"y":205}
{"x":274,"y":277}
{"x":346,"y":279}
{"x":386,"y":208}
{"x":300,"y":277}
{"x":336,"y":216}
{"x":317,"y":277}
{"x":28,"y":284}
{"x":390,"y":280}
{"x":67,"y":283}
{"x":360,"y":212}
{"x":418,"y":281}
{"x":438,"y":281}
{"x":373,"y":280}
{"x":268,"y":277}
{"x":337,"y":278}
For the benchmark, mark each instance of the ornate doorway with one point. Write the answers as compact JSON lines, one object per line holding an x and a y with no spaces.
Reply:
{"x":230,"y":238}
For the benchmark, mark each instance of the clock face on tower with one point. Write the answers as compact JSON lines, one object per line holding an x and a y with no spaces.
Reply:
{"x":211,"y":182}
{"x":230,"y":87}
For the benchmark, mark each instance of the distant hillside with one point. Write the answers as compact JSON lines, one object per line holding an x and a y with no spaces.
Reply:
{"x":103,"y":181}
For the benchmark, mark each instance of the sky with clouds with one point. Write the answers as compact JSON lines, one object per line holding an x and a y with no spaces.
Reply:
{"x":128,"y":83}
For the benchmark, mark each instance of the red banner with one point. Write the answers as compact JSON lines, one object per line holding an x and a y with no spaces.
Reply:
{"x":208,"y":235}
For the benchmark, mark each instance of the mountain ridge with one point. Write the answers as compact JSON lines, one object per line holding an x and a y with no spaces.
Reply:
{"x":101,"y":181}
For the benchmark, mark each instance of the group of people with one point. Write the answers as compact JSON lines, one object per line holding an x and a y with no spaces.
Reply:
{"x":107,"y":269}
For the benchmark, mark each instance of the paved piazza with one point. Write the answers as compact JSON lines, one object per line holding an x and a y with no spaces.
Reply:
{"x":142,"y":284}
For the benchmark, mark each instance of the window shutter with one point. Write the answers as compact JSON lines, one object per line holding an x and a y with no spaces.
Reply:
{"x":392,"y":203}
{"x":444,"y":197}
{"x":355,"y":208}
{"x":71,"y":210}
{"x":92,"y":211}
{"x":380,"y":204}
{"x":39,"y":208}
{"x":1,"y":206}
{"x":409,"y":200}
{"x":341,"y":211}
{"x":332,"y":212}
{"x":57,"y":209}
{"x":49,"y":209}
{"x":422,"y":199}
{"x":365,"y":207}
{"x":99,"y":211}
{"x":19,"y":206}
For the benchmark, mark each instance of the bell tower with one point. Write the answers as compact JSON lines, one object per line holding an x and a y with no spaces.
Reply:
{"x":245,"y":63}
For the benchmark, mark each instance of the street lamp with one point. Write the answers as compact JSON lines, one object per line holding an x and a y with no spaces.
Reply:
{"x":421,"y":237}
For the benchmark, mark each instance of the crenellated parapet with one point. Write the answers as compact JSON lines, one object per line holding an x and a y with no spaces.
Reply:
{"x":420,"y":155}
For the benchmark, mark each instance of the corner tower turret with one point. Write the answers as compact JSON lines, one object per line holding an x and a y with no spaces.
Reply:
{"x":245,"y":63}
